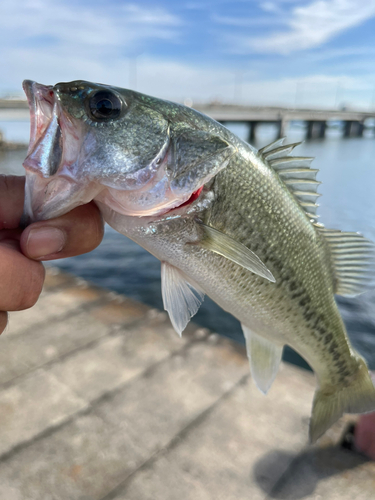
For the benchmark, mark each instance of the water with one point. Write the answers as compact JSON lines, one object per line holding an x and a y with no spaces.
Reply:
{"x":347,"y":171}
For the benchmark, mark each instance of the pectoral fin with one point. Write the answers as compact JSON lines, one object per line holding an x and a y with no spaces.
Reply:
{"x":264,"y":357}
{"x":181,"y":300}
{"x":224,"y":245}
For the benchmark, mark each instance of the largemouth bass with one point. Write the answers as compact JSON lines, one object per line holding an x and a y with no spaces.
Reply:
{"x":224,"y":219}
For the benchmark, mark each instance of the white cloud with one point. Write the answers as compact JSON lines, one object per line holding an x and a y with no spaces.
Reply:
{"x":69,"y":42}
{"x":177,"y":81}
{"x":27,"y":22}
{"x":247,"y":21}
{"x":310,"y":26}
{"x":66,"y":40}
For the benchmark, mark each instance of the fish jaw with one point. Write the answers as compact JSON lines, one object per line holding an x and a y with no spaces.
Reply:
{"x":55,"y":143}
{"x":47,"y":199}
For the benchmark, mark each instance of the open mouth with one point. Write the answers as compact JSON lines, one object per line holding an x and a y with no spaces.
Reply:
{"x":41,"y":99}
{"x":48,"y":193}
{"x":46,"y":143}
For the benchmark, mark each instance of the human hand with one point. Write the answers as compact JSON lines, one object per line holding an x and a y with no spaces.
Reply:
{"x":21,"y":272}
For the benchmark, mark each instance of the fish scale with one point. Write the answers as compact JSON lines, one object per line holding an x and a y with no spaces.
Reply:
{"x":224,"y":219}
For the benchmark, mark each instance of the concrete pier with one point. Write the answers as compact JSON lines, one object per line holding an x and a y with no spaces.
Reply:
{"x":100,"y":400}
{"x":316,"y":130}
{"x":353,"y":128}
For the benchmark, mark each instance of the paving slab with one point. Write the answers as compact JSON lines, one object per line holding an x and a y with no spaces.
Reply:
{"x":217,"y":458}
{"x":20,"y":354}
{"x":124,"y":409}
{"x":92,"y":454}
{"x":80,"y":461}
{"x":117,"y":359}
{"x":50,"y":306}
{"x":34,"y":405}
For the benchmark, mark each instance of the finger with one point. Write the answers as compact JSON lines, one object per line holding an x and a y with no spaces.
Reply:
{"x":10,"y":234}
{"x":21,"y":278}
{"x":74,"y":233}
{"x":12,"y":193}
{"x":3,"y":321}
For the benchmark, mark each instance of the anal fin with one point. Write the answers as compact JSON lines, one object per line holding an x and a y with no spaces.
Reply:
{"x":181,"y":299}
{"x":264,"y":357}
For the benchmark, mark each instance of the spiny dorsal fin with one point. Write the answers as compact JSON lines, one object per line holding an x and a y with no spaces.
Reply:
{"x":272,"y":146}
{"x":295,"y":172}
{"x":353,"y":259}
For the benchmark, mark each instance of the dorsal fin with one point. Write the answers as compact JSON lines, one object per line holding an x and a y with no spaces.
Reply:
{"x":353,"y":260}
{"x":295,"y":172}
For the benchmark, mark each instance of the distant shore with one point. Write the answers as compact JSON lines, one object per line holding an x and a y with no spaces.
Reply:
{"x":12,"y":146}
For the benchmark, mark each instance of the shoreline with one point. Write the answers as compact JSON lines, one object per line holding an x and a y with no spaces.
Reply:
{"x":12,"y":146}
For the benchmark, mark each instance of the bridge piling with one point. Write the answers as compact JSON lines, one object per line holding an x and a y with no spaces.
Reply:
{"x":353,"y":128}
{"x":316,"y":129}
{"x":252,"y":130}
{"x":282,"y":124}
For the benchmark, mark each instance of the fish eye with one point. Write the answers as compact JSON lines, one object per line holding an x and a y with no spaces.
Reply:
{"x":104,"y":106}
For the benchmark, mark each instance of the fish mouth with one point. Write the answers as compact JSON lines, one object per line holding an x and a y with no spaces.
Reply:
{"x":41,"y":100}
{"x":50,"y":191}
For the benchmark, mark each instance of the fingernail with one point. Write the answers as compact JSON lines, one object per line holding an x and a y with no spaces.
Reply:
{"x":45,"y":241}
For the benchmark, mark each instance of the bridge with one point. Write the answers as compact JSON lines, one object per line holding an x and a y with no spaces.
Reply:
{"x":316,"y":120}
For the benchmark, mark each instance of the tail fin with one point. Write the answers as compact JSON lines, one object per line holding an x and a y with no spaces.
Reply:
{"x":358,"y":397}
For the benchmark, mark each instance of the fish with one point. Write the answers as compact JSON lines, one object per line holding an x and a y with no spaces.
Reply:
{"x":226,"y":220}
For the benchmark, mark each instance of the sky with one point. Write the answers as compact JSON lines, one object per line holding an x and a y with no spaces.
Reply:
{"x":314,"y":53}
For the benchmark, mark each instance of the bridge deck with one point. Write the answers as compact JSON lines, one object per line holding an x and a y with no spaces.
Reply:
{"x":101,"y":400}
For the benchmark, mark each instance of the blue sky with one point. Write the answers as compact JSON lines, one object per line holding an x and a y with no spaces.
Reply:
{"x":296,"y":53}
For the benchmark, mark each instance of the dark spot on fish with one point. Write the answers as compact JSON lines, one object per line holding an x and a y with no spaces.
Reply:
{"x":321,"y":330}
{"x":305,"y":300}
{"x":297,"y":294}
{"x":328,"y":338}
{"x":277,"y":265}
{"x":292,"y":286}
{"x":340,"y":364}
{"x":308,"y":315}
{"x":336,"y":355}
{"x":318,"y":320}
{"x":333,"y":347}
